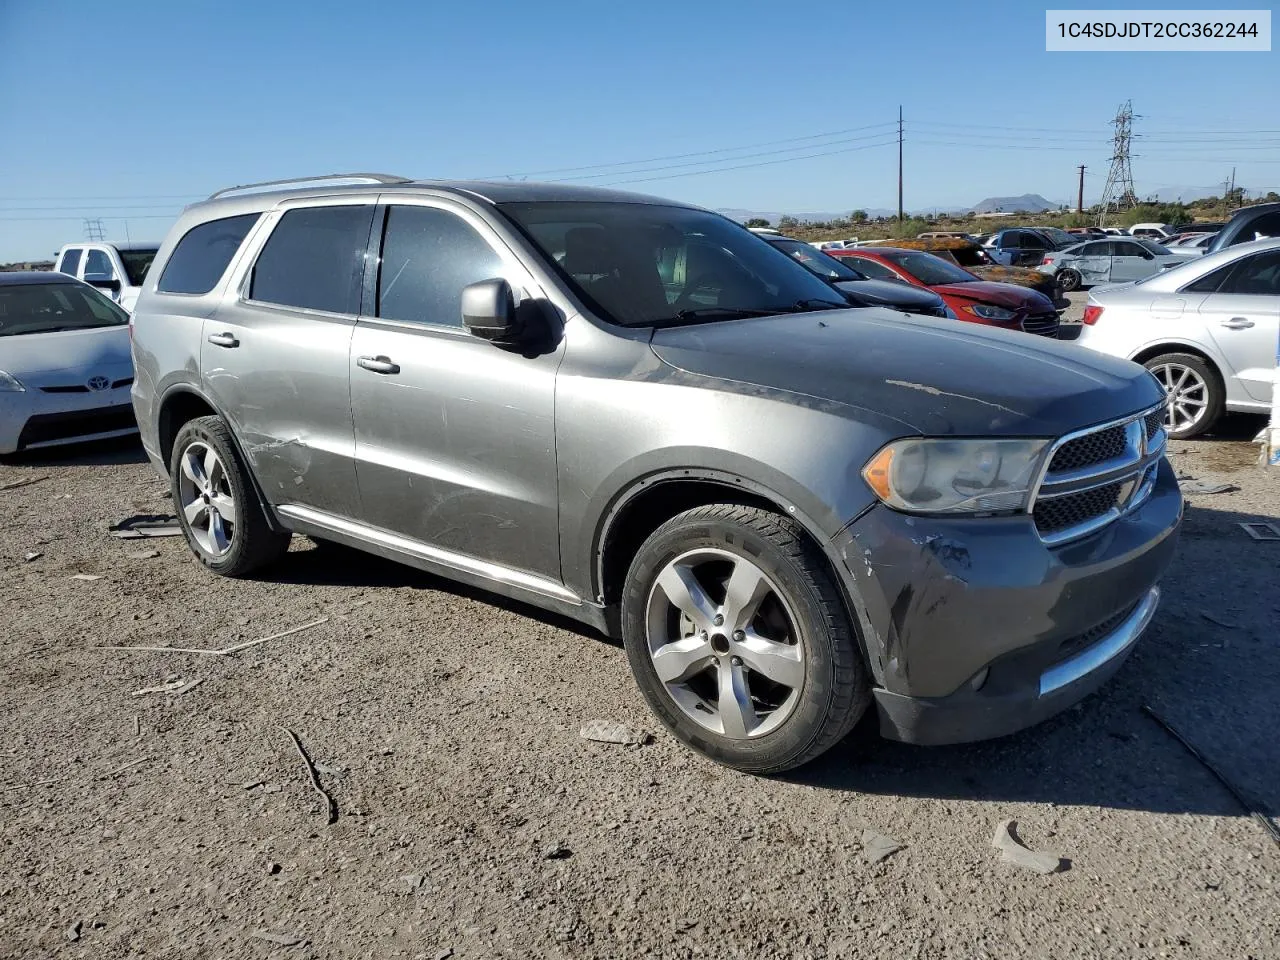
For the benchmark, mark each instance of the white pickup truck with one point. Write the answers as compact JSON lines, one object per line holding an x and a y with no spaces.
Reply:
{"x":117,"y":269}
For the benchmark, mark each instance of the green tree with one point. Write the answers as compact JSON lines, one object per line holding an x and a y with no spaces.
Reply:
{"x":858,"y":216}
{"x":757,"y":222}
{"x":788,"y":222}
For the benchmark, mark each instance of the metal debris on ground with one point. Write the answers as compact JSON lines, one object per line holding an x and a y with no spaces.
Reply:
{"x":331,"y":806}
{"x":72,"y":933}
{"x":146,"y":525}
{"x":87,"y":576}
{"x":1204,"y":486}
{"x":1261,"y":530}
{"x":15,"y":484}
{"x":142,"y":554}
{"x":1012,"y":851}
{"x":1249,"y":806}
{"x":609,"y":731}
{"x":32,"y":555}
{"x":877,"y":847}
{"x":284,"y":939}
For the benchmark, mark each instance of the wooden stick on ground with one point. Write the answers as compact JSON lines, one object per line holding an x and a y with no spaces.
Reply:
{"x":225,"y":651}
{"x":330,"y":805}
{"x":37,"y":783}
{"x":14,"y":484}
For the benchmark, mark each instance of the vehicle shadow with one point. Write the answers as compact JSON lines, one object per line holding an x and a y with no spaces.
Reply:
{"x":1209,"y":664}
{"x":335,"y":565}
{"x":95,"y":453}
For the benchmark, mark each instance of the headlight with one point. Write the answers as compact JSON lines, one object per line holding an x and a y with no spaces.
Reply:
{"x":955,"y":476}
{"x":9,"y":385}
{"x":989,"y":313}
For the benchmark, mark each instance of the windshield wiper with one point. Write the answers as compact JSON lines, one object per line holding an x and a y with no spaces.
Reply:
{"x":812,"y":303}
{"x":701,"y":313}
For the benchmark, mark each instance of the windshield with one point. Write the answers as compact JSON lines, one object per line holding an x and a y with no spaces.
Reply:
{"x":1059,"y":236}
{"x":48,"y":307}
{"x":927,"y":268}
{"x":136,"y":264}
{"x":815,"y":261}
{"x":644,"y":264}
{"x":971,"y":257}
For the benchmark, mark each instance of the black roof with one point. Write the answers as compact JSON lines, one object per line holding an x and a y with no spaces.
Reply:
{"x":18,"y":278}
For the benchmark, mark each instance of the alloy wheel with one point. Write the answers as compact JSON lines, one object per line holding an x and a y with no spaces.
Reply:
{"x":724,"y":644}
{"x":206,"y":499}
{"x":1188,"y":396}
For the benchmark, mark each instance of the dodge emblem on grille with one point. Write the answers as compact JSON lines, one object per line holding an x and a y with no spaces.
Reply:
{"x":98,"y":383}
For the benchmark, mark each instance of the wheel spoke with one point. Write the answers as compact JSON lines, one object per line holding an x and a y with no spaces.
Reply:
{"x":193,"y":469}
{"x":225,"y":506}
{"x":218,"y":538}
{"x":684,"y":591}
{"x":194,"y":511}
{"x":780,"y":662}
{"x":676,"y":662}
{"x":737,"y":715}
{"x":746,"y":588}
{"x":1186,"y":373}
{"x":212,"y":468}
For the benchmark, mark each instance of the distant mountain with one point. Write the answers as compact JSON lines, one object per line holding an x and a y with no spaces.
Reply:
{"x":773,"y":216}
{"x":1030,"y":202}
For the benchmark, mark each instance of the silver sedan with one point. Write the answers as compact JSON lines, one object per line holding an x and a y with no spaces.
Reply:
{"x":1115,"y":260}
{"x":1208,"y":330}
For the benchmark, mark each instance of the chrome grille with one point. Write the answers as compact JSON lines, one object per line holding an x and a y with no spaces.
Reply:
{"x":1090,"y":449}
{"x":1041,"y":324}
{"x":1095,"y":476}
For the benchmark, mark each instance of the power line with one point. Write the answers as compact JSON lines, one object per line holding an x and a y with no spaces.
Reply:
{"x":762,"y":163}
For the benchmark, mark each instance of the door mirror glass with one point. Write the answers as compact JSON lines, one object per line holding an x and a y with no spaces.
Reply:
{"x":102,"y":283}
{"x":489,"y":311}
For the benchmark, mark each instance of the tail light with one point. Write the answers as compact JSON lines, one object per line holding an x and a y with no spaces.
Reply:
{"x":1046,"y":261}
{"x":1091,"y":314}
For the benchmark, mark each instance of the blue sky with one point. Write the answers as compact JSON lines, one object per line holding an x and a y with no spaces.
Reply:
{"x":128,"y":110}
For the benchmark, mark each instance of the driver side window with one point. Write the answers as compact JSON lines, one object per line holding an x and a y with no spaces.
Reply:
{"x":873,"y":269}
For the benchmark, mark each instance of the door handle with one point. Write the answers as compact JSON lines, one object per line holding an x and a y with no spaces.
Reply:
{"x":224,"y":340}
{"x":1237,"y":323}
{"x":378,"y":364}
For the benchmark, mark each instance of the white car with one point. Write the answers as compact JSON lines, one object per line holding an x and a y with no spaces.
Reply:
{"x":1208,"y":329}
{"x":65,"y":366}
{"x":118,"y":269}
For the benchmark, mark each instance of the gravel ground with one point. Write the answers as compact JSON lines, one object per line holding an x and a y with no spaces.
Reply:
{"x":474,"y":821}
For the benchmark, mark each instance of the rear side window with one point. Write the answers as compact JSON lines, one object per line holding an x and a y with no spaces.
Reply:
{"x":428,"y":256}
{"x":97,"y":266}
{"x":201,"y":256}
{"x":314,"y":259}
{"x":1210,"y":282}
{"x":1256,"y":276}
{"x":70,"y":262}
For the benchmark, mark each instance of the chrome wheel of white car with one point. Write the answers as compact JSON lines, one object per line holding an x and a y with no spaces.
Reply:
{"x":1194,"y":390}
{"x":207,"y":501}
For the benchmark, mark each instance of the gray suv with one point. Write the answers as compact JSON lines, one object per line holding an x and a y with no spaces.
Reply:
{"x":640,"y":414}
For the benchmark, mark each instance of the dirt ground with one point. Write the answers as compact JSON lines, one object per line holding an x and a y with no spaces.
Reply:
{"x":474,"y":821}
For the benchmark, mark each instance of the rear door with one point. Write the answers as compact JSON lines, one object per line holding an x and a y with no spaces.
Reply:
{"x":1093,"y":262}
{"x":275,"y":354}
{"x":1033,"y":247}
{"x":1243,"y":317}
{"x":454,"y":436}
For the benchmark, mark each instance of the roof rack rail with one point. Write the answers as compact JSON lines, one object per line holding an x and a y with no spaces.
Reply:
{"x":368,"y":177}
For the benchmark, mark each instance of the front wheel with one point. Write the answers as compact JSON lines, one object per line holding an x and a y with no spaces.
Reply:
{"x":739,"y":640}
{"x":1196,"y":395}
{"x":1069,"y":280}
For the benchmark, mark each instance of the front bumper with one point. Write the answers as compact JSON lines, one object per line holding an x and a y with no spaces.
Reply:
{"x":974,"y":628}
{"x":33,"y":419}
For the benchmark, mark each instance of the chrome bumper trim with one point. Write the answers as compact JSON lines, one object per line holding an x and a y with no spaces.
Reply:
{"x":1105,"y":650}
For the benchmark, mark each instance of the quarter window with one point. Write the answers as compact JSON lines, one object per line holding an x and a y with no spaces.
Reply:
{"x":428,"y":256}
{"x":314,"y":259}
{"x":1255,"y":276}
{"x":70,"y":262}
{"x":201,"y":256}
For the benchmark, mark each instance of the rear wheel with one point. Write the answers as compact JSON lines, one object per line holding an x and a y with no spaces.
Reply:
{"x":739,"y":640}
{"x":217,"y":508}
{"x":1196,"y":395}
{"x":1069,"y":279}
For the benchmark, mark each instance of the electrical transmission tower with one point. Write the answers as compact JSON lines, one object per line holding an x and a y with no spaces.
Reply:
{"x":1118,"y":191}
{"x":93,"y":230}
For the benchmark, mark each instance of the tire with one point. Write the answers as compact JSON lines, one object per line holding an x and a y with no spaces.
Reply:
{"x":230,"y":534}
{"x":1201,"y":392}
{"x":795,"y":663}
{"x":1070,"y":280}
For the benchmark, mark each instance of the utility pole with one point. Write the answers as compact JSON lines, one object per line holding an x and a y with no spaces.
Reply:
{"x":1080,"y":191}
{"x":900,"y":216}
{"x":93,"y":230}
{"x":1232,"y":192}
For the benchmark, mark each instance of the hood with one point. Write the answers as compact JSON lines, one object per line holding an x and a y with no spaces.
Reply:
{"x":889,"y":293}
{"x":1005,"y":295}
{"x":939,"y":377}
{"x":79,"y":354}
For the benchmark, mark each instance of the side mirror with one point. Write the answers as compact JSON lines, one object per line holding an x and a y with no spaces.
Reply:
{"x":1148,"y":255}
{"x":489,"y":311}
{"x":102,"y":283}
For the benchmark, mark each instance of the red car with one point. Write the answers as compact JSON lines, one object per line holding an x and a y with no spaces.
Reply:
{"x":974,"y":300}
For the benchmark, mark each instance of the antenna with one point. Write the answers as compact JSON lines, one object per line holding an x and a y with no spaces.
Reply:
{"x":1118,"y":190}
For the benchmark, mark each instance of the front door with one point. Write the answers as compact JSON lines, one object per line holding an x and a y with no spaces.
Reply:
{"x":455,"y":436}
{"x":275,"y":354}
{"x":98,"y":269}
{"x":1131,"y":261}
{"x":1243,"y":317}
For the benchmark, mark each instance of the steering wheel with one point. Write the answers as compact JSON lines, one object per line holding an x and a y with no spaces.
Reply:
{"x":700,"y":282}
